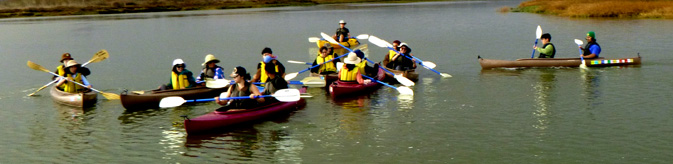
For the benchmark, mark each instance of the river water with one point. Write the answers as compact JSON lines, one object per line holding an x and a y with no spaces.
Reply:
{"x":556,"y":115}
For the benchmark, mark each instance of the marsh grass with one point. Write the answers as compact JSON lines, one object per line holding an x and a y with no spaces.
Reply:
{"x":600,"y":8}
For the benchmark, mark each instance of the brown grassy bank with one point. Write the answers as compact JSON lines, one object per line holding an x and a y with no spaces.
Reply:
{"x":31,"y":8}
{"x":598,"y":8}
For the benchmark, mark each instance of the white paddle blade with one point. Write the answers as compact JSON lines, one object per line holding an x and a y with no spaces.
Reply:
{"x":378,"y":41}
{"x":445,"y":75}
{"x":316,"y":82}
{"x":172,"y":101}
{"x":538,"y":32}
{"x":339,"y":66}
{"x":313,"y":39}
{"x":363,"y":36}
{"x":579,"y":42}
{"x":429,"y":64}
{"x":219,"y":83}
{"x":403,"y":80}
{"x":290,"y":76}
{"x":287,"y":95}
{"x":328,"y":38}
{"x":584,"y":65}
{"x":296,"y":62}
{"x":405,"y":90}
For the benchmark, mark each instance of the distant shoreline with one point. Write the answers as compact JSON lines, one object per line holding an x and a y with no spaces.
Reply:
{"x":28,"y":8}
{"x":650,"y":9}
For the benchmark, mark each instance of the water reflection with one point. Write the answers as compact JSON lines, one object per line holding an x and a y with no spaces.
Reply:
{"x":591,"y":82}
{"x":244,"y":143}
{"x":543,"y":91}
{"x":352,"y":116}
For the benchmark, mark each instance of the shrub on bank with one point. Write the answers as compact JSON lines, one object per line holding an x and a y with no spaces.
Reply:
{"x":600,"y":8}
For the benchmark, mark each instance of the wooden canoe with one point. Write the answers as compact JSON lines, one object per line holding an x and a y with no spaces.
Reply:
{"x":556,"y":62}
{"x":219,"y":120}
{"x":85,"y":99}
{"x":150,"y":100}
{"x":340,"y":88}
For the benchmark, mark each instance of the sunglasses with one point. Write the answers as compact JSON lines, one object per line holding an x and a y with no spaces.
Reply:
{"x":180,"y":66}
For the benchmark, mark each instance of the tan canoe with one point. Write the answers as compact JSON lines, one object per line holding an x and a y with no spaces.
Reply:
{"x":85,"y":99}
{"x":556,"y":62}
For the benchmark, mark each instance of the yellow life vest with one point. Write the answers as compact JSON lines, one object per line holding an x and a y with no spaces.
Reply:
{"x":60,"y":71}
{"x":263,"y":77}
{"x":361,"y":66}
{"x":391,"y":54}
{"x":346,"y":75}
{"x":179,"y":81}
{"x":71,"y":87}
{"x":327,"y":66}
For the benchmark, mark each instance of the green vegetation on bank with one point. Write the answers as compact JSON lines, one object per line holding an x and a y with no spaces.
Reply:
{"x":33,"y":8}
{"x":598,"y":8}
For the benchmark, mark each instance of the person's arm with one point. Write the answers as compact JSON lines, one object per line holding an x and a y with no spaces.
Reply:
{"x":546,"y":50}
{"x":190,"y":79}
{"x":281,"y":69}
{"x":219,"y":74}
{"x":315,"y":69}
{"x":595,"y":50}
{"x":86,"y":82}
{"x":358,"y":77}
{"x":258,"y":74}
{"x":61,"y":81}
{"x":200,"y":79}
{"x":255,"y":92}
{"x":413,"y":60}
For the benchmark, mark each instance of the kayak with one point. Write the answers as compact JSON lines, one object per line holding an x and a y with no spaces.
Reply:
{"x":341,"y":88}
{"x":556,"y":62}
{"x":150,"y":100}
{"x":350,"y":43}
{"x":218,"y":120}
{"x":409,"y":74}
{"x":85,"y":99}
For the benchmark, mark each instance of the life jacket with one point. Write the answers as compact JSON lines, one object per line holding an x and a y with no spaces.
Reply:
{"x":209,"y":72}
{"x":71,"y":87}
{"x":61,"y":72}
{"x":179,"y":81}
{"x":542,"y":55}
{"x":586,"y":48}
{"x":391,"y":53}
{"x":348,"y":75}
{"x":361,"y":66}
{"x":235,"y":92}
{"x":329,"y":66}
{"x":263,"y":77}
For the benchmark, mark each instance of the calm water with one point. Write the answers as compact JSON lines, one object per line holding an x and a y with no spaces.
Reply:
{"x":564,"y":115}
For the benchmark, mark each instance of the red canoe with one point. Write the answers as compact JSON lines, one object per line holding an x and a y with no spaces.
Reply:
{"x":339,"y":88}
{"x":216,"y":120}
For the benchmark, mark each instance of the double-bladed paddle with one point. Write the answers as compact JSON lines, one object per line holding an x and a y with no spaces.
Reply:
{"x":401,"y":79}
{"x":283,"y":95}
{"x":426,"y":64}
{"x":99,"y":56}
{"x":403,"y":89}
{"x":291,"y":76}
{"x":316,"y":39}
{"x":110,"y":96}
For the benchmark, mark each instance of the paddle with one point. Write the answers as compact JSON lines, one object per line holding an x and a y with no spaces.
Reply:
{"x":426,"y":64}
{"x":316,"y":39}
{"x":579,"y":44}
{"x":291,"y":76}
{"x":403,"y":89}
{"x":299,"y":62}
{"x":283,"y":95}
{"x":401,"y":79}
{"x":110,"y":96}
{"x":538,"y":34}
{"x":99,"y":56}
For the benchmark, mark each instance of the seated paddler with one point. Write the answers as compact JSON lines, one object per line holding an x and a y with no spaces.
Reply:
{"x":591,"y":49}
{"x":72,"y":74}
{"x":181,"y":78}
{"x":401,"y":62}
{"x":210,"y":71}
{"x":391,"y":53}
{"x":267,"y":57}
{"x":60,"y":69}
{"x":365,"y":69}
{"x":327,"y":68}
{"x":547,"y":50}
{"x":350,"y":72}
{"x":274,"y":83}
{"x":240,"y":88}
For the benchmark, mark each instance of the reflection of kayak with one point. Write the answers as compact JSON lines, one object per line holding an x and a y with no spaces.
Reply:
{"x":149,"y":100}
{"x":352,"y":42}
{"x":409,"y":74}
{"x":74,"y":99}
{"x":340,"y":88}
{"x":216,"y":119}
{"x":556,"y":62}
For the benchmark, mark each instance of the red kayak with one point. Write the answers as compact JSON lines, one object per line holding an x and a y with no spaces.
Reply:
{"x":216,"y":119}
{"x":340,"y":88}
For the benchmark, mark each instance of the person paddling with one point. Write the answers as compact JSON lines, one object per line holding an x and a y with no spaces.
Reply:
{"x":60,"y":69}
{"x":268,"y":57}
{"x":274,"y":83}
{"x":211,"y":70}
{"x":591,"y":49}
{"x":181,"y":78}
{"x":342,"y":33}
{"x":403,"y":63}
{"x":327,"y":68}
{"x":547,"y":50}
{"x":72,"y":74}
{"x":389,"y":56}
{"x":365,"y":69}
{"x":350,"y":72}
{"x":240,"y":88}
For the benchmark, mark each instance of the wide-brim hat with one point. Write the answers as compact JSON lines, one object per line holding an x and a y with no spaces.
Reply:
{"x":66,"y":56}
{"x":342,"y":22}
{"x":71,"y":63}
{"x":352,"y":59}
{"x":210,"y":58}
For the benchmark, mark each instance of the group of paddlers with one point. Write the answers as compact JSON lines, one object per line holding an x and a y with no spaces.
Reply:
{"x":589,"y":51}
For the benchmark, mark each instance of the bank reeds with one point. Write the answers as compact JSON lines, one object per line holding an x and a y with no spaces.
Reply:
{"x":600,"y":8}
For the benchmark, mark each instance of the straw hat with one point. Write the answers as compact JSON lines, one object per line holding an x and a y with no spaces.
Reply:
{"x":352,"y":59}
{"x":71,"y":63}
{"x":209,"y":58}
